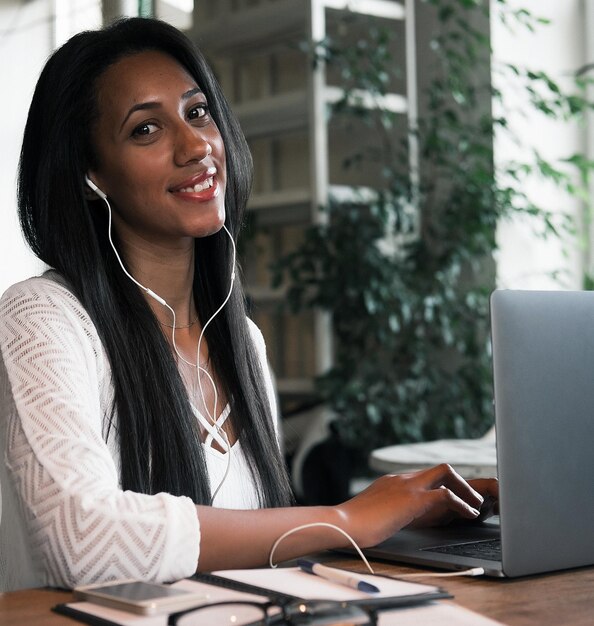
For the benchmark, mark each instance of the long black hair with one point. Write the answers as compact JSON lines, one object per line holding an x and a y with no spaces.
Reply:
{"x":158,"y":436}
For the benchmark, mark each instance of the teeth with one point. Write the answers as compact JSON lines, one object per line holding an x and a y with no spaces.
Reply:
{"x":205,"y":185}
{"x":199,"y":187}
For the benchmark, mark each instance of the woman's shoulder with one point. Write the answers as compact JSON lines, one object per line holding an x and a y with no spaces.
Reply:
{"x":50,"y":284}
{"x":40,"y":295}
{"x":42,"y":314}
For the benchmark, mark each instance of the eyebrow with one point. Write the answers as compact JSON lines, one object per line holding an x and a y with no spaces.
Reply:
{"x":147,"y":106}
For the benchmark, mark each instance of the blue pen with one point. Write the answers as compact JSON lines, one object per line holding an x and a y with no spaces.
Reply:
{"x":336,"y":576}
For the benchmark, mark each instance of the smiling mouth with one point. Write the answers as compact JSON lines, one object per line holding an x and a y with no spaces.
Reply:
{"x":198,"y":187}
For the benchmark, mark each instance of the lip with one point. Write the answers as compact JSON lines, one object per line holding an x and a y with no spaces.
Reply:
{"x":199,"y":196}
{"x":195,"y":180}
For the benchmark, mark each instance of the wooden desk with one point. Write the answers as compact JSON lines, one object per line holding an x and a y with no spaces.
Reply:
{"x":546,"y":600}
{"x":32,"y":606}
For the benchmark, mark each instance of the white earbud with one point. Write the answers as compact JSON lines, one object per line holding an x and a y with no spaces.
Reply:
{"x":94,"y":187}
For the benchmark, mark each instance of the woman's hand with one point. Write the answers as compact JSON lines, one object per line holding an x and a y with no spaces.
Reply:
{"x":430,"y":497}
{"x":233,"y":539}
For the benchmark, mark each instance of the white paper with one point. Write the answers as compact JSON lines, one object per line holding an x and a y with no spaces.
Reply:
{"x":295,"y":582}
{"x":436,"y":614}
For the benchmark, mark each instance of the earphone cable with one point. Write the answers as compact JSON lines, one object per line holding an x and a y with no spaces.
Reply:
{"x":314,"y":525}
{"x":210,"y":320}
{"x":212,"y":416}
{"x":220,"y":431}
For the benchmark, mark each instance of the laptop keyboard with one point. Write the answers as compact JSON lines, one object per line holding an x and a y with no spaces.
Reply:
{"x":489,"y":550}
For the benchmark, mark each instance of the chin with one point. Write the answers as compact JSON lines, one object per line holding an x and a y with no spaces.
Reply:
{"x":211,"y":229}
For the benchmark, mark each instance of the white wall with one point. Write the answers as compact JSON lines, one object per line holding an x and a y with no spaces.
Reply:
{"x":28,"y":30}
{"x":525,"y":260}
{"x":23,"y":51}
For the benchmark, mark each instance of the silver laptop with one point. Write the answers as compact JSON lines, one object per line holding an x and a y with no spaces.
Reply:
{"x":543,"y":366}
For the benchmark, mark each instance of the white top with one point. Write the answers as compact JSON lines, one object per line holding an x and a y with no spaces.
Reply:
{"x":75,"y":525}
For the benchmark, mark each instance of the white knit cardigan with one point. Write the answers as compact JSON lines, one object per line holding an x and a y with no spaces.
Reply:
{"x":65,"y":520}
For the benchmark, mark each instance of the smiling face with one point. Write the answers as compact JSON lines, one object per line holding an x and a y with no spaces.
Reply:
{"x":160,"y":156}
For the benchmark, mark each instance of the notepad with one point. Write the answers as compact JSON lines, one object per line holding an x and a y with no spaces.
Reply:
{"x":293,"y":581}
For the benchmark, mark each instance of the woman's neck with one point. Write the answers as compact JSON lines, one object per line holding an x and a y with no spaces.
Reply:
{"x":168,"y":271}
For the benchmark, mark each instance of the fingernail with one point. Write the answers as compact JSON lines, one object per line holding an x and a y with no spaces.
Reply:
{"x":475,"y":512}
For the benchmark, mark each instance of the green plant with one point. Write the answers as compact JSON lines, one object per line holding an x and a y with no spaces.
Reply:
{"x":408,"y":290}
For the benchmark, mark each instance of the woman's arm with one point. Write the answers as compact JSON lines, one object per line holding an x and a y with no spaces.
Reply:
{"x":235,"y":539}
{"x":81,"y":525}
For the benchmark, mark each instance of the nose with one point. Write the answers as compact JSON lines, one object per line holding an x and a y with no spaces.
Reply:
{"x":191,"y":145}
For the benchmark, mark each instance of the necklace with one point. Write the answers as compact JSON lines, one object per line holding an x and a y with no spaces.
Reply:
{"x":179,"y":327}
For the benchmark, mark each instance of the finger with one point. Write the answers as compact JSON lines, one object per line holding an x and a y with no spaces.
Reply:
{"x":486,"y":486}
{"x":489,"y":489}
{"x":488,"y":508}
{"x":445,"y":475}
{"x":450,"y":502}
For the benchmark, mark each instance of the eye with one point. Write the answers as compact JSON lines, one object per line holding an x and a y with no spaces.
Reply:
{"x":144,"y":129}
{"x":198,"y":111}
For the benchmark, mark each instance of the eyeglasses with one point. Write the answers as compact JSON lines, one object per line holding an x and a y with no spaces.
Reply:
{"x":297,"y":613}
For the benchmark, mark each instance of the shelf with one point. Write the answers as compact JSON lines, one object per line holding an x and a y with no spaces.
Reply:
{"x":289,"y":112}
{"x":292,"y":198}
{"x":294,"y":206}
{"x":285,"y":105}
{"x":246,"y":29}
{"x":279,"y":199}
{"x":375,"y":8}
{"x":295,"y":386}
{"x":273,"y":115}
{"x":281,"y":207}
{"x":275,"y":22}
{"x":265,"y":295}
{"x":358,"y":97}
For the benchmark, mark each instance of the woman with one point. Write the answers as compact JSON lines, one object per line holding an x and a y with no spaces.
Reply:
{"x":119,"y":359}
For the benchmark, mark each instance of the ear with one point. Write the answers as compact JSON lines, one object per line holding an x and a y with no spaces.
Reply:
{"x":92,"y":190}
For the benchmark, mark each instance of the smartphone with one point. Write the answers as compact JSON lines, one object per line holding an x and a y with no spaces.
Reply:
{"x":140,"y":597}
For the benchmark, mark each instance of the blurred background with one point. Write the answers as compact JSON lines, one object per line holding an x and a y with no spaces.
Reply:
{"x":409,"y":158}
